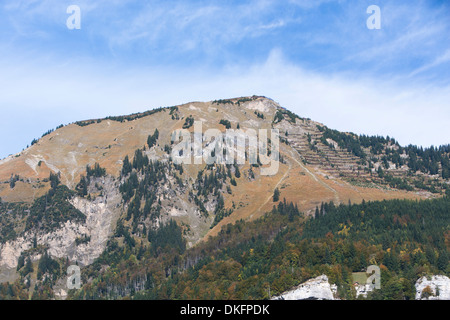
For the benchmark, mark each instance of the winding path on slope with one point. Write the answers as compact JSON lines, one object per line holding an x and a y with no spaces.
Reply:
{"x":276,"y":186}
{"x":293,"y":157}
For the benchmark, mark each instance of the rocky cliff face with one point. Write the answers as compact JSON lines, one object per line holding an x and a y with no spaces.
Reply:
{"x":101,"y":216}
{"x":81,"y":242}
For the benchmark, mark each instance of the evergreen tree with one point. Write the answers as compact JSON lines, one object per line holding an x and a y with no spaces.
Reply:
{"x":152,"y":139}
{"x":20,"y":262}
{"x":126,"y":167}
{"x":237,"y":173}
{"x":28,"y":267}
{"x":276,"y":195}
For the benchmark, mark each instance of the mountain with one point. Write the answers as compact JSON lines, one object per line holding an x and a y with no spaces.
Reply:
{"x":84,"y":188}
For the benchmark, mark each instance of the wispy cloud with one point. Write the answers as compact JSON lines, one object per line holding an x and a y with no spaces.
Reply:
{"x":96,"y":90}
{"x":441,"y":59}
{"x":207,"y":28}
{"x":316,"y":57}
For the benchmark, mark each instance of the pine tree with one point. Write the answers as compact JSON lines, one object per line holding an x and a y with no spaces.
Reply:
{"x":126,"y":167}
{"x":276,"y":195}
{"x":151,"y":140}
{"x":28,"y":267}
{"x":237,"y":173}
{"x":20,"y":262}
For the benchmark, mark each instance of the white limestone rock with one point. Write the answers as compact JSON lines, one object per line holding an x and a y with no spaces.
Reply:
{"x":363,"y":289}
{"x":439,"y":285}
{"x":314,"y":289}
{"x":262,"y":105}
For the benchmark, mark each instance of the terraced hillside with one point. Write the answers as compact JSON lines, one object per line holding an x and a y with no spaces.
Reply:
{"x":371,"y":161}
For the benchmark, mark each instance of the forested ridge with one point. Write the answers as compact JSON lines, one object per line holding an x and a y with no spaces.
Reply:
{"x":431,"y":160}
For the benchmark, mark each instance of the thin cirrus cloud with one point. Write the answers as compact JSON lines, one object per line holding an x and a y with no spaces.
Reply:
{"x":440,"y":60}
{"x":202,"y":31}
{"x":315,"y":57}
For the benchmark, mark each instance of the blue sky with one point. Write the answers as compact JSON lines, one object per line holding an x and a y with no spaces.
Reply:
{"x":317,"y":58}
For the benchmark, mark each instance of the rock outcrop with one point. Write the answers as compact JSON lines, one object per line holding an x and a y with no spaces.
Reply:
{"x":363,"y":290}
{"x":436,"y":287}
{"x":314,"y":289}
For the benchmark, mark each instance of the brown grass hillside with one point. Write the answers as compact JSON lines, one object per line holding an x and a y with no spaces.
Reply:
{"x":70,"y":149}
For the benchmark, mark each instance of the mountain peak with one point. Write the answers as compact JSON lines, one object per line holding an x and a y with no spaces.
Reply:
{"x":83,"y":184}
